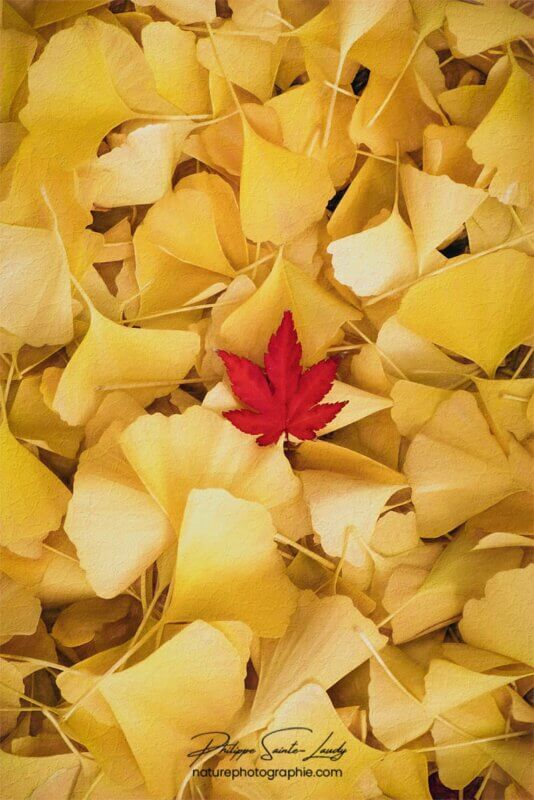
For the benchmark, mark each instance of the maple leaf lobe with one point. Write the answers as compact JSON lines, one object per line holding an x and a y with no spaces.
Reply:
{"x":283,"y":398}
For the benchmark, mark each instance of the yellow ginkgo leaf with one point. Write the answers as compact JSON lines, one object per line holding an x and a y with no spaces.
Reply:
{"x":91,"y":77}
{"x":55,"y":578}
{"x":479,"y":719}
{"x":506,"y":402}
{"x":114,"y":406}
{"x":387,"y":46}
{"x":45,"y":12}
{"x":473,"y":658}
{"x":138,"y":171}
{"x":228,"y":545}
{"x":319,"y":38}
{"x":396,"y":712}
{"x":11,"y":689}
{"x":403,"y":775}
{"x":394,"y":128}
{"x":282,"y":193}
{"x":192,"y":683}
{"x":326,"y":639}
{"x":31,"y":419}
{"x":344,"y":510}
{"x":491,"y":294}
{"x":497,"y":539}
{"x":17,"y":50}
{"x":419,"y":359}
{"x":501,"y":621}
{"x":414,"y":404}
{"x":184,"y":11}
{"x":467,"y":105}
{"x":20,"y":609}
{"x":35,"y":286}
{"x":378,"y":258}
{"x":301,"y":112}
{"x":449,"y":685}
{"x":494,"y":223}
{"x":171,"y":55}
{"x":395,"y":534}
{"x":502,"y":141}
{"x":115,"y":354}
{"x":515,"y":758}
{"x":354,"y":19}
{"x":225,"y":214}
{"x":474,"y":29}
{"x":201,"y":450}
{"x":318,"y":315}
{"x":80,"y":622}
{"x":372,"y":190}
{"x":445,"y":152}
{"x":23,"y":775}
{"x":460,"y":567}
{"x":33,"y":499}
{"x":248,"y":61}
{"x":308,"y":717}
{"x":108,"y":495}
{"x":438,"y":207}
{"x":455,"y":467}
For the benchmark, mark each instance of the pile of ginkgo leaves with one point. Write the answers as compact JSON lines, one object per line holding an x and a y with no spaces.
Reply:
{"x":266,"y":326}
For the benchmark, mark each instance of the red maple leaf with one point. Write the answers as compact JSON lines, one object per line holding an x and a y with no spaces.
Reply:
{"x":283,"y":398}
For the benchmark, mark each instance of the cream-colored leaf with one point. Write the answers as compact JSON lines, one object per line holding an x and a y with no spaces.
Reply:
{"x":377,"y":259}
{"x":139,"y":171}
